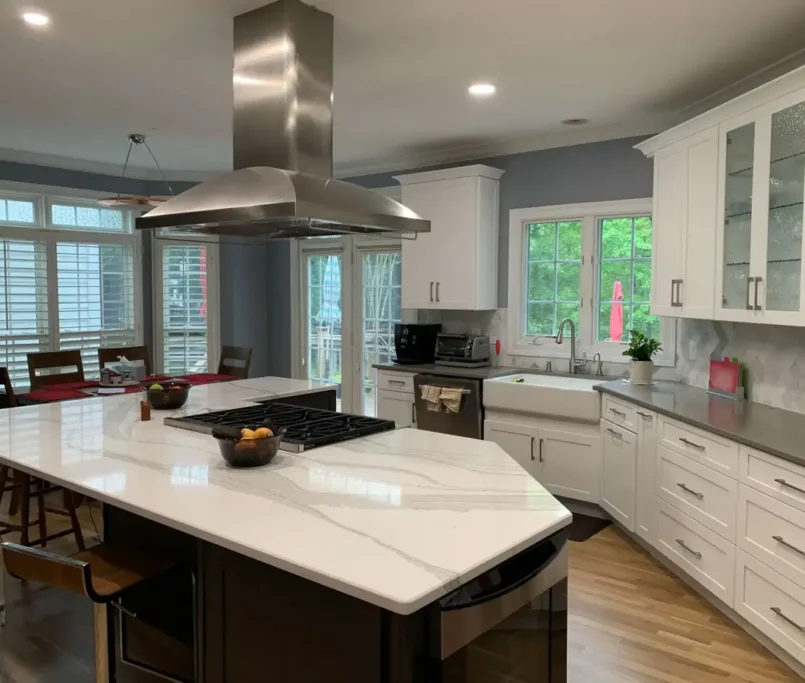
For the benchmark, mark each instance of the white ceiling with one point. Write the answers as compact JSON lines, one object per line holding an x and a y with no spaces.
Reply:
{"x":105,"y":68}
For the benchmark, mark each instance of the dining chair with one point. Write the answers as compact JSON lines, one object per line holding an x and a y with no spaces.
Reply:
{"x":235,"y":361}
{"x":108,"y":356}
{"x":54,"y":360}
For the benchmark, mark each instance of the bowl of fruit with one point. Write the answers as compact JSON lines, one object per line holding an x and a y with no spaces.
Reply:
{"x":168,"y":394}
{"x":249,"y":447}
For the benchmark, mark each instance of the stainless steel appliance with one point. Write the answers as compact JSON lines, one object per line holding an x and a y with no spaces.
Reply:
{"x":282,"y":185}
{"x":306,"y":427}
{"x":464,"y":350}
{"x":415,"y":343}
{"x":510,"y":623}
{"x":468,"y":421}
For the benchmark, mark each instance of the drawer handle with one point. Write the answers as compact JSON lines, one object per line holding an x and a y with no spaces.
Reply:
{"x":782,"y":616}
{"x":617,"y":412}
{"x":645,"y":416}
{"x":700,"y":496}
{"x":397,"y":381}
{"x":617,"y":435}
{"x":782,"y":541}
{"x":697,"y":446}
{"x":695,"y":553}
{"x":783,"y":482}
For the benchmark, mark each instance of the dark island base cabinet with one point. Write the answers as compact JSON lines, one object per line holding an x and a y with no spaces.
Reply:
{"x":321,"y":400}
{"x":258,"y":624}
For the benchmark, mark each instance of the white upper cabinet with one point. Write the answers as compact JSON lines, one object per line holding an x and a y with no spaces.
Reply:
{"x":728,"y":209}
{"x":455,"y":265}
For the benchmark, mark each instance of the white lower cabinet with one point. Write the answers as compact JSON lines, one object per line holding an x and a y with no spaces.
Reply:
{"x":704,"y":555}
{"x":566,"y":464}
{"x":562,"y":456}
{"x":645,"y":495}
{"x":516,"y":439}
{"x":771,"y":603}
{"x":619,"y":474}
{"x":396,"y":406}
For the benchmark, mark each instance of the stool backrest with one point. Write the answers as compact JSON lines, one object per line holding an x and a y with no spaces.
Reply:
{"x":109,"y":356}
{"x":235,"y":360}
{"x":10,"y":397}
{"x":53,"y":360}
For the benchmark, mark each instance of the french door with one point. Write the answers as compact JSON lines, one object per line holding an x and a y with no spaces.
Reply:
{"x":351,"y":298}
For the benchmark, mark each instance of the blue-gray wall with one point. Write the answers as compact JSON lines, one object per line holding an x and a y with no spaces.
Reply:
{"x":598,"y":171}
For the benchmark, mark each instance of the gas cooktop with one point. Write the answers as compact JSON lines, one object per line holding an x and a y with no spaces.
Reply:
{"x":307,"y":427}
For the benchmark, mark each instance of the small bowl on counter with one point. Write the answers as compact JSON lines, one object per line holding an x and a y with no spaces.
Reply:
{"x":248,"y":447}
{"x":168,"y":394}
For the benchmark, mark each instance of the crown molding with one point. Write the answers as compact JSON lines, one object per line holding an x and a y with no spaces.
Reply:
{"x":68,"y":164}
{"x":516,"y":145}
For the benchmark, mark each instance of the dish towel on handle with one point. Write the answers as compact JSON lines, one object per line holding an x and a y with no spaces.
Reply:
{"x":430,"y":395}
{"x":451,"y":399}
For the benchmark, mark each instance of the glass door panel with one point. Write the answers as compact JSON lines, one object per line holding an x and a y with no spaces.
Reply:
{"x":738,"y":215}
{"x":323,"y":317}
{"x":381,"y":308}
{"x":784,"y":241}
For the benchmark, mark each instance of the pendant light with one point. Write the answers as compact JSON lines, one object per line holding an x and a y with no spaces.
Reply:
{"x":136,"y":200}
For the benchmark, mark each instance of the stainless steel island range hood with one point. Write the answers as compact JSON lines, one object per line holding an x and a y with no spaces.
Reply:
{"x":282,"y":186}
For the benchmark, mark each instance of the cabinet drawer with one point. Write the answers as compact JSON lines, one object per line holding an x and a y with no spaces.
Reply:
{"x":773,"y":532}
{"x":622,"y":414}
{"x":395,"y":381}
{"x":702,"y":554}
{"x":771,"y":603}
{"x":705,"y":495}
{"x":773,"y":476}
{"x":703,"y":447}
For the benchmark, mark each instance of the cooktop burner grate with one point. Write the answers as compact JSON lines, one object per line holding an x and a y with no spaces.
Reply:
{"x":306,"y":427}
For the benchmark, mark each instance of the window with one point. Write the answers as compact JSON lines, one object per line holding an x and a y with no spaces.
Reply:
{"x":587,"y":262}
{"x":553,"y":272}
{"x":65,"y":288}
{"x":624,"y":279}
{"x":187,"y":334}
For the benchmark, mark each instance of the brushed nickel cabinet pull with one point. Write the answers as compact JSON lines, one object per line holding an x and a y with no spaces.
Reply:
{"x":782,"y":616}
{"x":540,"y":449}
{"x":695,"y":553}
{"x":782,"y":541}
{"x":645,"y":416}
{"x":437,"y":291}
{"x":397,"y":381}
{"x":431,"y":293}
{"x":700,"y":496}
{"x":783,"y":482}
{"x":697,"y":446}
{"x":749,"y":282}
{"x":532,"y":448}
{"x":617,"y":412}
{"x":758,"y":281}
{"x":617,"y":435}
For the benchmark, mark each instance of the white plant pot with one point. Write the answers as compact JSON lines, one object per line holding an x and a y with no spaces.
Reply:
{"x":641,"y":372}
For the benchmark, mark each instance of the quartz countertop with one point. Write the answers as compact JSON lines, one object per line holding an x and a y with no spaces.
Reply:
{"x":773,"y":430}
{"x":397,"y":519}
{"x":449,"y":371}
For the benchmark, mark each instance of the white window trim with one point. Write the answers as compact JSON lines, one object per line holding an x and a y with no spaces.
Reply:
{"x":42,"y":231}
{"x":213,"y":296}
{"x":589,"y":214}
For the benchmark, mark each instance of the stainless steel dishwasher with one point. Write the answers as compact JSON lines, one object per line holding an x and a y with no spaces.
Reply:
{"x":468,"y":421}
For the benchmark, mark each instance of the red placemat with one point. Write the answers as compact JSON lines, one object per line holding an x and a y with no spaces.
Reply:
{"x":53,"y":395}
{"x":70,"y":386}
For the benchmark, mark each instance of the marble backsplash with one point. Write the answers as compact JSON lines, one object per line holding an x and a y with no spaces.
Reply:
{"x":774,"y":355}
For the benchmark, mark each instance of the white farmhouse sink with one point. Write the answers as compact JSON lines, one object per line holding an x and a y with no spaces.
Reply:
{"x":571,"y":398}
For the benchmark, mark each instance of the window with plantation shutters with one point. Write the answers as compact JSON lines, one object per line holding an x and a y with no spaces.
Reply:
{"x":96,"y":298}
{"x":23,"y":305}
{"x":184,"y":308}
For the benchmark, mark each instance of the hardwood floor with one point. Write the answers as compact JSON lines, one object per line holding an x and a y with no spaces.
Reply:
{"x":632,"y":621}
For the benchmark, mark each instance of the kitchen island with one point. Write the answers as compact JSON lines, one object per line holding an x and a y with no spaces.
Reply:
{"x":324,"y":565}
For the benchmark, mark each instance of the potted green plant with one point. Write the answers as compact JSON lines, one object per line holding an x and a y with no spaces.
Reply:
{"x":641,"y":348}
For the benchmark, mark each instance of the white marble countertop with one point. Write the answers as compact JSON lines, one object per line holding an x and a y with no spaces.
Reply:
{"x":397,"y":519}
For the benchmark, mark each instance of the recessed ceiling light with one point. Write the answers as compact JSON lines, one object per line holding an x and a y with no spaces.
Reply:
{"x":575,"y":122}
{"x":36,"y":18}
{"x":482,"y":89}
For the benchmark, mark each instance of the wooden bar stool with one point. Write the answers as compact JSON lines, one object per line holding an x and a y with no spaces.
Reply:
{"x":105,"y":575}
{"x":27,"y":486}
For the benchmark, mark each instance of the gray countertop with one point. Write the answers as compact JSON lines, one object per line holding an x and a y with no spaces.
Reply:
{"x":448,"y":371}
{"x":773,"y":430}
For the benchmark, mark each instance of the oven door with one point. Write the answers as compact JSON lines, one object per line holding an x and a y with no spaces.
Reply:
{"x":510,"y":624}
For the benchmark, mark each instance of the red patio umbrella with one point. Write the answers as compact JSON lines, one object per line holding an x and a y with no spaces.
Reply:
{"x":616,"y":314}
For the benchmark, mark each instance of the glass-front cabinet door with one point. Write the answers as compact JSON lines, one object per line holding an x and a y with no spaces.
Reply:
{"x":761,"y":192}
{"x":737,"y":208}
{"x":780,"y":287}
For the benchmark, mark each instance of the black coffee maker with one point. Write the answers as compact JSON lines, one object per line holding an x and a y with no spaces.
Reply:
{"x":415,"y":343}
